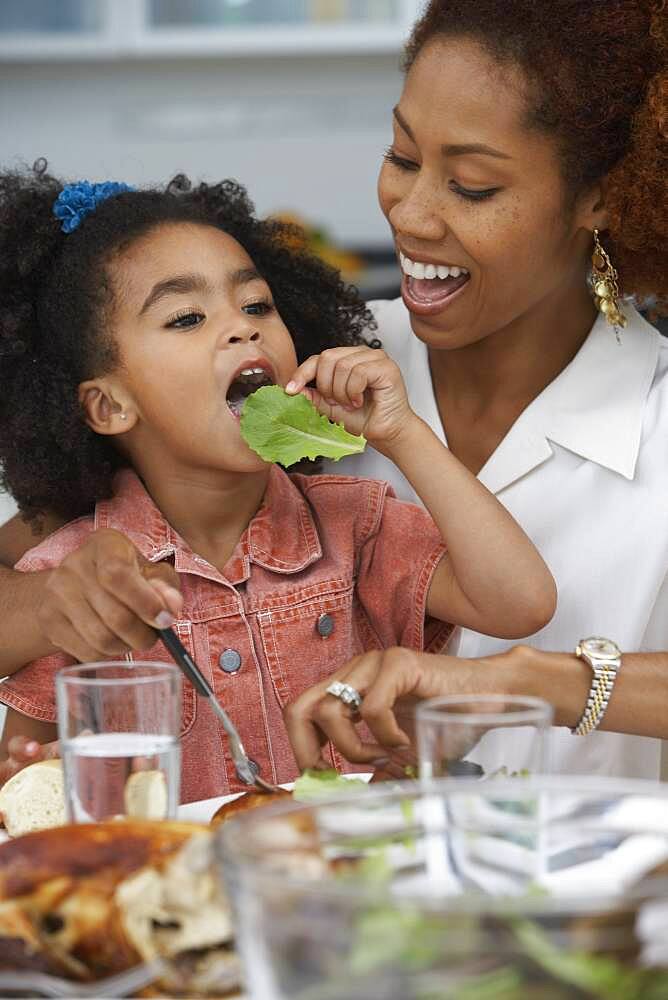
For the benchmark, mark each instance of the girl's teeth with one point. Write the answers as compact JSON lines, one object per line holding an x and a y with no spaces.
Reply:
{"x":418,"y":271}
{"x":455,"y":272}
{"x":430,"y":271}
{"x":443,"y":271}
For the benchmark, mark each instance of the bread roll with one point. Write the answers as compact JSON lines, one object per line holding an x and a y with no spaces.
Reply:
{"x":146,"y":795}
{"x":34,"y":798}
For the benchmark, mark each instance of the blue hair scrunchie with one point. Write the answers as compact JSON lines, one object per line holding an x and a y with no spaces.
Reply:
{"x":76,"y":201}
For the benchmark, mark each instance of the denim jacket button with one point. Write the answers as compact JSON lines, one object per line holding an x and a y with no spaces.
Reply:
{"x":230,"y":661}
{"x":325,"y":625}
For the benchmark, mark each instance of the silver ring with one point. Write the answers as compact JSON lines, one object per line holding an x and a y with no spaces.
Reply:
{"x":346,"y":693}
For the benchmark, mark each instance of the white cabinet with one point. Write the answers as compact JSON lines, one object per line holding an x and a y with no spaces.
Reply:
{"x":131,"y":29}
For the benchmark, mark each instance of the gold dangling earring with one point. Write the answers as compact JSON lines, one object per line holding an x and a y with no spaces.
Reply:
{"x":606,"y":289}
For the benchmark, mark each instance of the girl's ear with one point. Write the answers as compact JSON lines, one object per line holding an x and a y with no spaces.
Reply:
{"x":107,"y":409}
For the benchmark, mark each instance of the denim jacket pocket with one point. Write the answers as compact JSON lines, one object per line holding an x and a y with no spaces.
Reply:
{"x":307,"y":641}
{"x":159,"y":654}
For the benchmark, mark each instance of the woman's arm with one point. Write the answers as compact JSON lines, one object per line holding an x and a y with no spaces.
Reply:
{"x":393,"y":681}
{"x":102,"y":600}
{"x":21,"y":596}
{"x":639,"y":702}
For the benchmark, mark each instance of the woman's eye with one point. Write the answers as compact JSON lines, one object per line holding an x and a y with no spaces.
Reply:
{"x":471,"y":194}
{"x":399,"y":161}
{"x":186,"y":320}
{"x":258,"y":308}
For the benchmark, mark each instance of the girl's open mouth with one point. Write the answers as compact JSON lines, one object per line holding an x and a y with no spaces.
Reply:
{"x":244,"y":385}
{"x":429,"y":288}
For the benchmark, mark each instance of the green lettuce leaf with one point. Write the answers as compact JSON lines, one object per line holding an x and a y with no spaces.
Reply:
{"x":313,"y":785}
{"x":286,"y":429}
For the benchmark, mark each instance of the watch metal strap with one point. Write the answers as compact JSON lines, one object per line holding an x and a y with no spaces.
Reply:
{"x":602,"y":684}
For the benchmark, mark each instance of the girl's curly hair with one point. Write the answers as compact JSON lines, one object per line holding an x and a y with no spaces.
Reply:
{"x":598,"y":80}
{"x":57,"y":299}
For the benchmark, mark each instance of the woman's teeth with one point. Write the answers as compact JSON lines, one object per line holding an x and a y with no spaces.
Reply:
{"x":414,"y":269}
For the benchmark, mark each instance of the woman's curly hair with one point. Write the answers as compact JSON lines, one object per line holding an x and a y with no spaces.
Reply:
{"x":598,"y":78}
{"x":56,"y":301}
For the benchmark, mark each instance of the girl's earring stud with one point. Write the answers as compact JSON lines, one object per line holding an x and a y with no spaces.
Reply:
{"x":606,"y":288}
{"x":123,"y":416}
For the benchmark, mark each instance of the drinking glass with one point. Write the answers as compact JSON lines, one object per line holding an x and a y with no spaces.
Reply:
{"x":483,"y":735}
{"x":118,"y":726}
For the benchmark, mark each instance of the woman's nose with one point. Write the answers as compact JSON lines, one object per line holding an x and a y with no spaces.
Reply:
{"x":419,"y":213}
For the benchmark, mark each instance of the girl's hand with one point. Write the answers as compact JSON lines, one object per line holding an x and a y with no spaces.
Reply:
{"x":105,"y":599}
{"x":391,"y":683}
{"x":23,"y":751}
{"x":360,"y":387}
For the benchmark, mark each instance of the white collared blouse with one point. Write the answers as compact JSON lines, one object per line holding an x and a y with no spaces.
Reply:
{"x":584,"y":470}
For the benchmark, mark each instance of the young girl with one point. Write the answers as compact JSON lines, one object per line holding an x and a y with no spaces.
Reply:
{"x":134,"y":324}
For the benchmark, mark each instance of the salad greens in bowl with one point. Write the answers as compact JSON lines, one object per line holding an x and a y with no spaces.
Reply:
{"x":545,"y":888}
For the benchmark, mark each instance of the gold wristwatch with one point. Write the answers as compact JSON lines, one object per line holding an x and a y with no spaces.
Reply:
{"x":605,"y":658}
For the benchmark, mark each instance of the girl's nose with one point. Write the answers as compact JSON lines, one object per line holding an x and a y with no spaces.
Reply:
{"x":241,"y":333}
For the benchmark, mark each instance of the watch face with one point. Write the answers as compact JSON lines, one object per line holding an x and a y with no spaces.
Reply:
{"x":601,"y":647}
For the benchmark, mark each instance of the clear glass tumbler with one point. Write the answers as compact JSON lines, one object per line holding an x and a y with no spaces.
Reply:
{"x":118,"y":726}
{"x":483,"y":736}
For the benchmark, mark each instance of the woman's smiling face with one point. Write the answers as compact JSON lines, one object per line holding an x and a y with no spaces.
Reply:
{"x":469,"y":186}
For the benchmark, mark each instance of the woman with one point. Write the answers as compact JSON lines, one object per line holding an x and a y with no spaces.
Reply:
{"x":523,"y":128}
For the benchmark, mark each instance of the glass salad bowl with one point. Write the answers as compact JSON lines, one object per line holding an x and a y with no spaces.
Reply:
{"x":554,"y":888}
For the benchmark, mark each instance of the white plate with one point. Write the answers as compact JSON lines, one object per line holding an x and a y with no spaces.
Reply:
{"x":202,"y":811}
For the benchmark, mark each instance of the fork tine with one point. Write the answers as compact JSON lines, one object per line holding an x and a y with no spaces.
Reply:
{"x":120,"y":985}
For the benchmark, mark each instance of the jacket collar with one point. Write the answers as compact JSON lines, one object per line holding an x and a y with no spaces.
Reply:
{"x":282,"y":537}
{"x":593,"y":408}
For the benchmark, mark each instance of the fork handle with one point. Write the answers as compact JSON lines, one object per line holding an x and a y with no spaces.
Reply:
{"x":242,"y":762}
{"x":186,"y":662}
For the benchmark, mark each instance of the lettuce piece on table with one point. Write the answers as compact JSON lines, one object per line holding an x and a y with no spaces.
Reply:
{"x":286,"y":429}
{"x":313,"y":785}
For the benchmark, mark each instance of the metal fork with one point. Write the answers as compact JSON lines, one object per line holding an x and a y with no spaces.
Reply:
{"x":247,"y":770}
{"x":41,"y":984}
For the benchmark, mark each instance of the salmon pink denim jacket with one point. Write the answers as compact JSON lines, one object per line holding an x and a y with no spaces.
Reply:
{"x":330,"y":566}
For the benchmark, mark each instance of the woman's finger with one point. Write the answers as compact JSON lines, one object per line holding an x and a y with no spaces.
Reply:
{"x":119,"y":623}
{"x":63,"y":635}
{"x":335,"y":720}
{"x":126,"y":580}
{"x":91,"y":632}
{"x":305,"y":738}
{"x":397,"y":679}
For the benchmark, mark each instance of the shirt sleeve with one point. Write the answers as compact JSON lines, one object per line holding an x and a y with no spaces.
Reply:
{"x":395,"y":571}
{"x":32,"y":689}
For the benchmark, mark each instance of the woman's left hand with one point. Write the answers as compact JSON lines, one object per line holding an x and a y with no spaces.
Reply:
{"x":360,"y":387}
